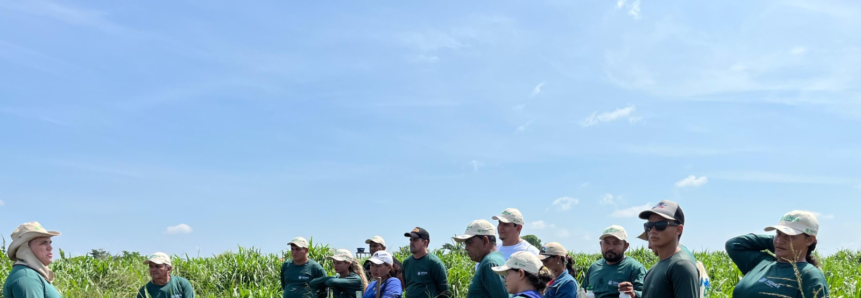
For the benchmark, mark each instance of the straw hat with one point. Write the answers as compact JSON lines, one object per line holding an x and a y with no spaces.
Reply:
{"x":23,"y":234}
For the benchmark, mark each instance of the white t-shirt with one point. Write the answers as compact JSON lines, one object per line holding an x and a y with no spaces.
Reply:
{"x":507,"y":251}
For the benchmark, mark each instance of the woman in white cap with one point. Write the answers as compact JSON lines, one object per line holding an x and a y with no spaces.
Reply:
{"x":351,"y":278}
{"x":768,"y":276}
{"x":524,"y":275}
{"x":561,"y":265}
{"x":32,"y":252}
{"x":385,"y":283}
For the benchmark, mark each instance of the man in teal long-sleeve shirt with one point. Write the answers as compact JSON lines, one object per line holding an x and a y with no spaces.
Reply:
{"x":480,"y":241}
{"x":605,"y":275}
{"x":424,"y":274}
{"x":296,"y":274}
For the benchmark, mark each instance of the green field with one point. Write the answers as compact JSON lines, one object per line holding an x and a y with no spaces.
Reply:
{"x":249,"y":273}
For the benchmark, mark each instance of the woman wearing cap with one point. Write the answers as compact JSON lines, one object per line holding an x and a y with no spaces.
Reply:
{"x":387,"y":284}
{"x":351,"y":278}
{"x":556,"y":258}
{"x":31,"y":251}
{"x":766,"y":275}
{"x":524,"y":275}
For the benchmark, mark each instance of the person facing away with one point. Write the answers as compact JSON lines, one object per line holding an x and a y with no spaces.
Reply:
{"x":376,"y":244}
{"x":32,"y":251}
{"x":424,"y":274}
{"x":297,"y":273}
{"x":607,"y":274}
{"x":524,"y":275}
{"x":675,"y":274}
{"x":509,"y":228}
{"x":792,"y":245}
{"x":384,"y":283}
{"x":350,"y":281}
{"x":480,"y":243}
{"x":556,"y":258}
{"x":163,"y":284}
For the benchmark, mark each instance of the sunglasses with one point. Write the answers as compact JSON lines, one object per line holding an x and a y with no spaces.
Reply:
{"x":660,"y":225}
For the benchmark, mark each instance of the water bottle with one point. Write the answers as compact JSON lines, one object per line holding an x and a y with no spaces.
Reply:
{"x":589,"y":292}
{"x":624,"y":295}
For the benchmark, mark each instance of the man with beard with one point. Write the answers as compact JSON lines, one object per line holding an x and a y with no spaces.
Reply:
{"x":424,"y":274}
{"x":480,"y":244}
{"x":605,"y":275}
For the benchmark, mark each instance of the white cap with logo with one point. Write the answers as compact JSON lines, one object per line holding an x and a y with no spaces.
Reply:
{"x":158,"y":258}
{"x":797,"y":222}
{"x":381,"y":257}
{"x":520,"y":260}
{"x":299,"y":241}
{"x":477,"y":227}
{"x":342,"y":255}
{"x":614,"y":231}
{"x":376,"y":239}
{"x":510,"y":215}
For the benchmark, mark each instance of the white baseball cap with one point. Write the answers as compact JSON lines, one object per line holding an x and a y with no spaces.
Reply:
{"x":299,"y":241}
{"x":158,"y":258}
{"x":796,"y":223}
{"x":476,"y":228}
{"x":614,"y":231}
{"x":520,"y":260}
{"x":376,"y":239}
{"x":510,"y":215}
{"x":552,"y":249}
{"x":342,"y":255}
{"x":381,"y":257}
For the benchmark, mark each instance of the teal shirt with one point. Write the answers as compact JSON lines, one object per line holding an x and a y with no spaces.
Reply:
{"x":605,"y":278}
{"x":295,"y":279}
{"x":485,"y":282}
{"x":24,"y":282}
{"x":176,"y":287}
{"x":675,"y":277}
{"x":342,"y":287}
{"x":425,"y":277}
{"x":764,"y":276}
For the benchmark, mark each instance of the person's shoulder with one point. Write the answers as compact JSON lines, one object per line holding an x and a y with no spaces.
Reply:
{"x":810,"y":272}
{"x":494,"y":258}
{"x":180,"y":279}
{"x":597,"y":263}
{"x":23,"y":274}
{"x":529,"y":247}
{"x":683,"y":261}
{"x":632,"y":262}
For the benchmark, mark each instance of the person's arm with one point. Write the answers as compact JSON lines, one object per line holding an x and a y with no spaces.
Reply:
{"x":568,"y":290}
{"x":586,"y":277}
{"x":639,"y":274}
{"x":441,"y":277}
{"x":187,"y":290}
{"x":283,"y":285}
{"x":746,"y":250}
{"x":318,"y":272}
{"x":349,"y":282}
{"x":319,"y":283}
{"x":393,"y":289}
{"x":28,"y":287}
{"x":685,"y":279}
{"x":814,"y":284}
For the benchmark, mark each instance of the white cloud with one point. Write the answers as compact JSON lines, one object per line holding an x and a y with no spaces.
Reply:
{"x":537,"y":89}
{"x":607,"y":199}
{"x":798,"y":50}
{"x":2,"y":203}
{"x":634,"y":9}
{"x":596,"y":118}
{"x":178,"y":229}
{"x":631,"y":212}
{"x":540,"y":225}
{"x":583,"y":185}
{"x":821,"y":216}
{"x":620,"y":4}
{"x":475,"y":165}
{"x":586,"y":237}
{"x":564,"y":203}
{"x":692,"y":181}
{"x":523,"y":127}
{"x":563,"y":233}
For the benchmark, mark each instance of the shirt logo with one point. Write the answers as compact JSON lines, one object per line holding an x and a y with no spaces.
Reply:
{"x":769,"y":283}
{"x":613,"y":283}
{"x":304,"y":277}
{"x":420,"y":273}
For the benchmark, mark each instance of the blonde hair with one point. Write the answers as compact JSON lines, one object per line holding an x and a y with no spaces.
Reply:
{"x":357,"y":269}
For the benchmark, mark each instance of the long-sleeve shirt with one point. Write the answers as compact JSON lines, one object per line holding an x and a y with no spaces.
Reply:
{"x":425,"y":277}
{"x":764,"y":276}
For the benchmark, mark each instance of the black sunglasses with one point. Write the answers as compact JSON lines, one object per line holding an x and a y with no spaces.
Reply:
{"x":660,"y":225}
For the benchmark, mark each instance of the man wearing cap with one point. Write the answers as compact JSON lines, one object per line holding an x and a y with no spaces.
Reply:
{"x":605,"y":275}
{"x":163,"y":284}
{"x":424,"y":274}
{"x":297,"y":273}
{"x":32,"y":252}
{"x":376,"y":244}
{"x":675,"y":275}
{"x":509,"y":228}
{"x":480,"y":243}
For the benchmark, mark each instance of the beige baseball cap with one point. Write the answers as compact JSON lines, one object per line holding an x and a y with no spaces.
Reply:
{"x":552,"y":249}
{"x":520,"y":260}
{"x":510,"y":215}
{"x":158,"y":258}
{"x":299,"y":241}
{"x":377,"y":240}
{"x":23,"y":234}
{"x":342,"y":255}
{"x":477,"y":228}
{"x":797,"y":222}
{"x":614,"y":231}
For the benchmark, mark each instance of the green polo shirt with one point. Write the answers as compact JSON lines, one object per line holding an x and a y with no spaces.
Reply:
{"x":605,"y":278}
{"x":176,"y":287}
{"x":295,"y":279}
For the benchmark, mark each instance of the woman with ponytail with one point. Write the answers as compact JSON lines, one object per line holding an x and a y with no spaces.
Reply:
{"x":386,"y":282}
{"x":791,"y":271}
{"x":351,"y":278}
{"x":524,"y":275}
{"x":556,"y":258}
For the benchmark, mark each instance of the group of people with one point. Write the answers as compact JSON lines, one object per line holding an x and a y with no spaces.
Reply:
{"x":781,"y":264}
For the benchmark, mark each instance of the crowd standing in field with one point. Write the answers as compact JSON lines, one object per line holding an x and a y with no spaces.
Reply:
{"x":516,"y":267}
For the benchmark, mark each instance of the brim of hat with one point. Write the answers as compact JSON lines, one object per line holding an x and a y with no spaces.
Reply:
{"x":378,"y":261}
{"x":413,"y":234}
{"x":501,"y":270}
{"x":462,"y":238}
{"x":24,"y":239}
{"x":610,"y":235}
{"x":544,"y":256}
{"x":369,"y":241}
{"x":155,"y":262}
{"x":342,"y":259}
{"x":786,"y":230}
{"x":502,"y":219}
{"x":297,"y":244}
{"x":647,"y":213}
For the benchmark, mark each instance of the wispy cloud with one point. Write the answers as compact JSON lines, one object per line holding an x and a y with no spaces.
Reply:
{"x":33,"y":115}
{"x":475,"y":165}
{"x":692,"y":181}
{"x":68,"y":14}
{"x":523,"y":127}
{"x":755,"y":176}
{"x":541,"y":225}
{"x":607,"y":199}
{"x":110,"y":170}
{"x":622,"y":113}
{"x":2,"y":203}
{"x":583,"y":185}
{"x":564,"y":203}
{"x":178,"y":229}
{"x":537,"y":89}
{"x":633,"y":8}
{"x":563,"y":233}
{"x":683,"y":151}
{"x":631,"y":211}
{"x":822,"y":216}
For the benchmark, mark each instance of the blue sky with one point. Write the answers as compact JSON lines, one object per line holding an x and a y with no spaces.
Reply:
{"x":188,"y":127}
